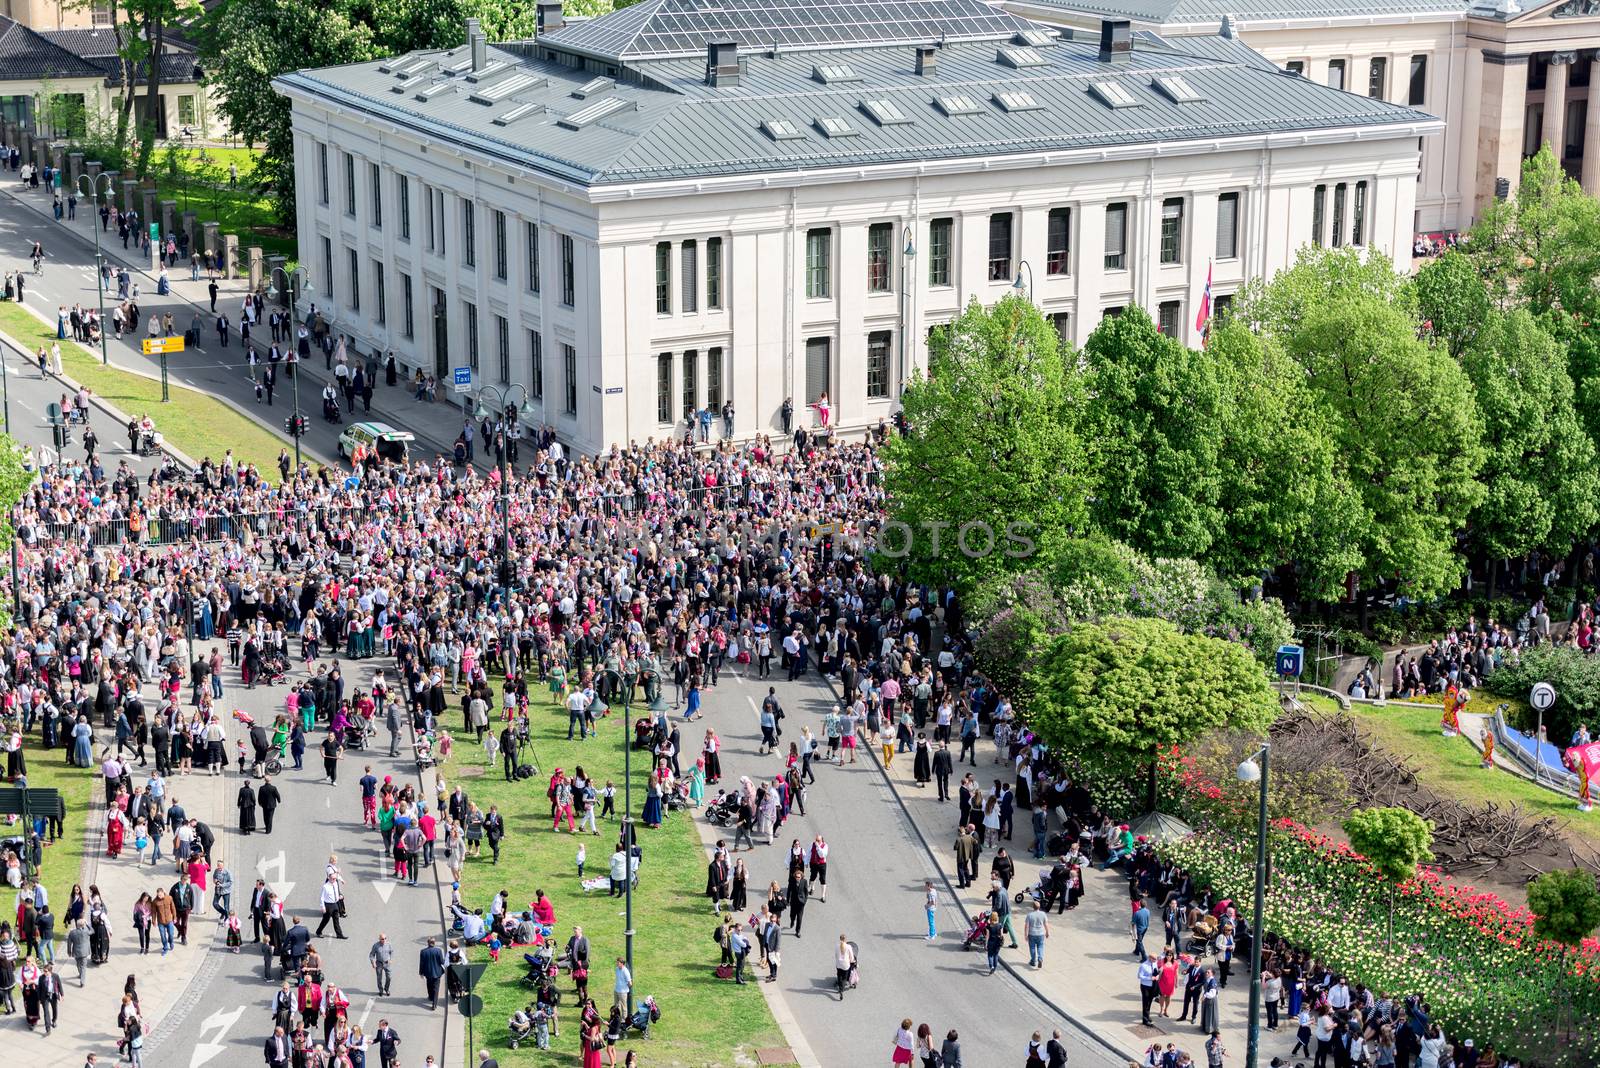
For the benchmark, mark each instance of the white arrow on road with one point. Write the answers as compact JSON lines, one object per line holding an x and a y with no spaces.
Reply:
{"x":366,"y":1012}
{"x":219,"y":1022}
{"x":279,"y":886}
{"x":385,"y":882}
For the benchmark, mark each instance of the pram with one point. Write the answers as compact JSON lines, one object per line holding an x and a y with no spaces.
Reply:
{"x":149,"y":442}
{"x":645,"y":733}
{"x":645,"y":1013}
{"x":724,"y":809}
{"x":978,"y":933}
{"x":330,"y":410}
{"x":424,"y":750}
{"x":1039,"y":891}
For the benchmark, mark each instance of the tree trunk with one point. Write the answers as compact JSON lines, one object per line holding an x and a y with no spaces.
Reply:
{"x":125,"y":112}
{"x":147,"y":143}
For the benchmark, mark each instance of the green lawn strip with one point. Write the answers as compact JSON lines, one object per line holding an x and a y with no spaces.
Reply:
{"x":704,"y":1021}
{"x":191,"y":421}
{"x":239,"y":209}
{"x":1450,"y":766}
{"x":62,"y":862}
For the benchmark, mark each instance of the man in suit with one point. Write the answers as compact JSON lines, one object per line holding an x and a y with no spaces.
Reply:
{"x":388,"y":1042}
{"x":258,"y":910}
{"x":276,"y":1050}
{"x":296,"y":942}
{"x":49,"y":987}
{"x":185,"y":899}
{"x":943,"y":769}
{"x":431,"y":968}
{"x":267,"y":799}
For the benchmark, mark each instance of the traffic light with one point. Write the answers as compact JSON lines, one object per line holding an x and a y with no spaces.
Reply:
{"x":295,"y":426}
{"x":61,"y":435}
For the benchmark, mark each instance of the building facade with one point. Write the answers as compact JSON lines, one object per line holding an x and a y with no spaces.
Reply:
{"x":1506,"y":78}
{"x":637,"y":221}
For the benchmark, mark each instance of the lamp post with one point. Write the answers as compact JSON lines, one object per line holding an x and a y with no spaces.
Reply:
{"x":92,"y":192}
{"x":1252,"y":771}
{"x":294,"y":295}
{"x":1025,"y":289}
{"x":907,"y":254}
{"x":502,"y":395}
{"x":5,"y":388}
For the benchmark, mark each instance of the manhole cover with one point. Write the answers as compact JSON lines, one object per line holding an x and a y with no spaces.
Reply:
{"x":777,"y":1055}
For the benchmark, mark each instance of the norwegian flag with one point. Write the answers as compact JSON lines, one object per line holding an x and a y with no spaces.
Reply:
{"x":1202,"y":320}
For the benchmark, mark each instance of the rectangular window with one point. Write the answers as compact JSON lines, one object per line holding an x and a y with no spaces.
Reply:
{"x":1058,"y":248}
{"x":1172,"y":230}
{"x":1358,"y":216}
{"x":819,"y":252}
{"x":404,"y":190}
{"x":1221,"y":304}
{"x":533,"y":257}
{"x":354,"y":259}
{"x":939,"y":231}
{"x":689,"y":269}
{"x":327,"y":268}
{"x":1378,"y":77}
{"x":1167,"y":317}
{"x":819,"y":366}
{"x":569,"y":374}
{"x":1062,"y":321}
{"x":1228,"y":226}
{"x":186,"y":109}
{"x":1319,"y":211}
{"x":100,"y":13}
{"x":322,"y":169}
{"x":878,"y":271}
{"x":569,"y":281}
{"x":1295,"y":66}
{"x":375,"y":173}
{"x":1336,"y":74}
{"x":1116,"y":237}
{"x":470,"y":313}
{"x":503,"y":345}
{"x":1111,"y":312}
{"x":433,"y":242}
{"x":1417,"y":88}
{"x":500,"y":258}
{"x":469,"y":233}
{"x":378,"y":292}
{"x":878,"y":365}
{"x":713,"y":274}
{"x":536,"y":365}
{"x":663,"y":277}
{"x":664,"y":388}
{"x":1338,"y":214}
{"x":714,"y":379}
{"x":691,"y":388}
{"x":1000,"y":247}
{"x":349,"y":184}
{"x":408,"y":318}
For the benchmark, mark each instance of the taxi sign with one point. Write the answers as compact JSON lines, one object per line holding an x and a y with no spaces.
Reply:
{"x":156,"y":345}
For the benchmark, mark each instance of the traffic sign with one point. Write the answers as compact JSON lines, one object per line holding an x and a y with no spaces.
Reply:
{"x":462,"y":379}
{"x":1542,"y":696}
{"x":469,"y":1005}
{"x":154,"y":346}
{"x":1290,"y":660}
{"x":155,"y":233}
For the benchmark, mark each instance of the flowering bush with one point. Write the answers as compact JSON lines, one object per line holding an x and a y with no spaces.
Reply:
{"x":1470,"y":954}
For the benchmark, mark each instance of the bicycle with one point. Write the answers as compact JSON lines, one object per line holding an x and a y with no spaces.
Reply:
{"x":38,"y":266}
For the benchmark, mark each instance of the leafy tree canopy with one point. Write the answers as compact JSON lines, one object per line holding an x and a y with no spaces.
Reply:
{"x":1541,"y":248}
{"x":1395,"y":840}
{"x":1565,"y":905}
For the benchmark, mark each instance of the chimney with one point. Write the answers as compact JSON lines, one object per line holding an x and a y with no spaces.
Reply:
{"x":1227,"y":27}
{"x":549,"y":16}
{"x":478,"y":44}
{"x":722,"y":63}
{"x":1116,"y":40}
{"x":925,"y":59}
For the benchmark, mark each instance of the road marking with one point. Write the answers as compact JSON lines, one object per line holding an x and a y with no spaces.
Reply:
{"x":385,"y":883}
{"x":279,"y":886}
{"x":219,"y":1022}
{"x":366,"y":1012}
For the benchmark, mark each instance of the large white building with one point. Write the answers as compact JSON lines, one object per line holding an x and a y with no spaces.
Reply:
{"x":687,"y":201}
{"x":1505,"y":75}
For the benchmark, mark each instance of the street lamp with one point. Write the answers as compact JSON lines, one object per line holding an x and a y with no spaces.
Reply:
{"x":1251,"y":771}
{"x":1025,"y":289}
{"x":908,"y":253}
{"x":502,"y":395}
{"x":274,"y":292}
{"x":90,"y":187}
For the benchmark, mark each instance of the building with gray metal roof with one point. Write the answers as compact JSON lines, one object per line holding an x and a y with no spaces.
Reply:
{"x":750,"y":201}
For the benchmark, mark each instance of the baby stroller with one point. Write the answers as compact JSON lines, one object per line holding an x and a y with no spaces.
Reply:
{"x":541,"y":965}
{"x":330,"y":410}
{"x":424,"y":748}
{"x":274,"y":669}
{"x":1038,"y":892}
{"x":978,"y":933}
{"x":645,"y":1013}
{"x":149,"y":442}
{"x":678,"y":799}
{"x":644,"y":733}
{"x":723,"y":810}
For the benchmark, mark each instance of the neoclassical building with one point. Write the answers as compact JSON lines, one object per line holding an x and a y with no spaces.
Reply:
{"x":1504,"y":77}
{"x":681,"y":204}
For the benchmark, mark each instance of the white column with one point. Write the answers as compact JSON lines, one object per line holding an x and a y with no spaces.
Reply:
{"x":1555,"y":102}
{"x":1591,"y":138}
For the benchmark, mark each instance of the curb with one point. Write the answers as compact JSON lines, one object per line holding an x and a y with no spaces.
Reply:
{"x":1083,"y":1029}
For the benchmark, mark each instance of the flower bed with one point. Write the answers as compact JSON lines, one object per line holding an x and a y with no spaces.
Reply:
{"x":1471,"y":955}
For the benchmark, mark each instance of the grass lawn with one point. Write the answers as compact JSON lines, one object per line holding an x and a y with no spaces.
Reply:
{"x":1450,"y":765}
{"x":63,"y":862}
{"x":202,"y":186}
{"x":192,"y":421}
{"x":704,"y":1022}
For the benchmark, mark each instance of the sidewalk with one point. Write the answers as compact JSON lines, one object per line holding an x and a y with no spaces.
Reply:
{"x":436,"y":425}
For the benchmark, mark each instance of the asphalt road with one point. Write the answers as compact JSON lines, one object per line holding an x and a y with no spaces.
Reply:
{"x":876,"y":870}
{"x":27,"y":393}
{"x":225,"y":1015}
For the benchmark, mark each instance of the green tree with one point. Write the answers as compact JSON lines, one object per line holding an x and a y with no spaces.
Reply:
{"x":1539,"y":475}
{"x":14,"y":482}
{"x":1122,"y":691}
{"x":1541,"y":248}
{"x":1394,"y":841}
{"x":250,"y":42}
{"x":1453,"y":301}
{"x":991,"y":442}
{"x":1566,"y":910}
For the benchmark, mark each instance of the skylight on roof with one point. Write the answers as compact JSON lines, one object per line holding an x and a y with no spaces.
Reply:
{"x":590,"y":114}
{"x":886,"y":112}
{"x":1178,"y":89}
{"x":1020,"y":57}
{"x":1016,"y":100}
{"x":594,"y":87}
{"x":462,"y":64}
{"x":834,"y":73}
{"x":436,"y":89}
{"x":835,"y":126}
{"x":490,"y":94}
{"x":1034,"y":38}
{"x":1114,"y":95}
{"x":488,"y":71}
{"x":958,"y":104}
{"x":518,"y":112}
{"x":781,"y":130}
{"x":405,"y":85}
